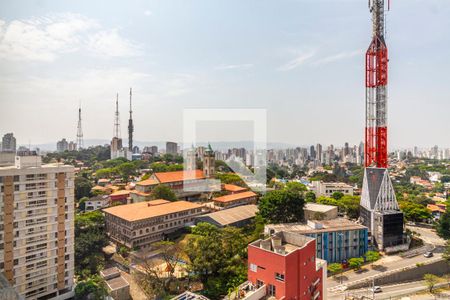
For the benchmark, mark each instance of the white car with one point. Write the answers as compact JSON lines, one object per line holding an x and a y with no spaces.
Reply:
{"x":376,"y":289}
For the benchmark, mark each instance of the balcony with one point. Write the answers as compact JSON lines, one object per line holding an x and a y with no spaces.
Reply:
{"x":248,"y":291}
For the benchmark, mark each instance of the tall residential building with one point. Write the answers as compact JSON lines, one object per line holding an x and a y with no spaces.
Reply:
{"x":62,"y":145}
{"x":171,"y":148}
{"x":9,"y":143}
{"x":319,"y":153}
{"x":37,"y":228}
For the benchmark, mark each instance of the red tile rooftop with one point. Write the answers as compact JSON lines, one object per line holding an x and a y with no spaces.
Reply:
{"x":234,"y":197}
{"x":166,"y":177}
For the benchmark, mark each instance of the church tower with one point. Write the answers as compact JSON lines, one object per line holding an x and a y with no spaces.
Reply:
{"x":209,"y":161}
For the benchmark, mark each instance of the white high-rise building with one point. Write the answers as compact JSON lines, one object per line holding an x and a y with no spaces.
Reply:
{"x":37,"y":227}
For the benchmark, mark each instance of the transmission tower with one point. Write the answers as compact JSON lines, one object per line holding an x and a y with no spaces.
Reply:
{"x":130,"y":128}
{"x":80,"y":144}
{"x":117,"y":119}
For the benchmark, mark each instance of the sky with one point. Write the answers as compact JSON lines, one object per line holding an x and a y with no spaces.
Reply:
{"x":301,"y":60}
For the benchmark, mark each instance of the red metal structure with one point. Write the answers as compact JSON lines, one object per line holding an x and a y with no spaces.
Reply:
{"x":376,"y":91}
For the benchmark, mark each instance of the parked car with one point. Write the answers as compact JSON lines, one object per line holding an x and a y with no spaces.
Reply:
{"x":428,"y":254}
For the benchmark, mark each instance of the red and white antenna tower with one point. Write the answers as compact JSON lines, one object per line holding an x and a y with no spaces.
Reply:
{"x":376,"y":90}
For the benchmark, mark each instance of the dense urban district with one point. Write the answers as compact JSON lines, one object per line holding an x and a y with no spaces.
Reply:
{"x":139,"y":229}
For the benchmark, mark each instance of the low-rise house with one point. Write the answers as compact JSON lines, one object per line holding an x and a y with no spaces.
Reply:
{"x":118,"y":286}
{"x":97,"y":202}
{"x":143,"y":189}
{"x":437,"y":210}
{"x":336,"y":240}
{"x":237,"y":199}
{"x":119,"y":197}
{"x":140,"y":224}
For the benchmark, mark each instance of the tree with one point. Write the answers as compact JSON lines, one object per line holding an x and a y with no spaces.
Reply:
{"x":163,"y":192}
{"x":443,"y":226}
{"x":372,"y":256}
{"x":430,"y":281}
{"x":356,"y":263}
{"x":310,"y":197}
{"x":282,"y":206}
{"x":83,"y":187}
{"x":93,"y":288}
{"x":90,"y":238}
{"x":126,"y":170}
{"x":296,"y":187}
{"x":446,"y":254}
{"x":414,"y":212}
{"x":217,"y":258}
{"x":337,"y":195}
{"x":82,"y":203}
{"x":334,"y":268}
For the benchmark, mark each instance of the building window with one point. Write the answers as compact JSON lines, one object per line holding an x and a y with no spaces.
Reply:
{"x":259,"y":283}
{"x":272,"y":290}
{"x":279,"y":277}
{"x":253,"y":268}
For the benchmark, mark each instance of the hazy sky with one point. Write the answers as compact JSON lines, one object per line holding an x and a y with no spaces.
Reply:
{"x":301,"y":60}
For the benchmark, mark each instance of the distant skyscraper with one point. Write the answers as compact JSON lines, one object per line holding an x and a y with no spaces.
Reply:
{"x":319,"y":152}
{"x":9,"y":143}
{"x":171,"y":148}
{"x":312,"y":152}
{"x":62,"y":145}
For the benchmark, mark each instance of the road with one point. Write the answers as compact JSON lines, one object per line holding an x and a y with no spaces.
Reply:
{"x":388,"y":291}
{"x":389,"y":263}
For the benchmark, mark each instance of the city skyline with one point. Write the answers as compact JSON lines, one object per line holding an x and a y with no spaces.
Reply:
{"x":269,"y":69}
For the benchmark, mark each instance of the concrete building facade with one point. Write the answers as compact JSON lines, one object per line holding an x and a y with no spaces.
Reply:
{"x":37,"y":228}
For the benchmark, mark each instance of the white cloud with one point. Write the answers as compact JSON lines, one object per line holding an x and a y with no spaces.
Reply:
{"x":47,"y":38}
{"x":110,"y":43}
{"x":338,"y":57}
{"x":297,"y":62}
{"x":233,"y":67}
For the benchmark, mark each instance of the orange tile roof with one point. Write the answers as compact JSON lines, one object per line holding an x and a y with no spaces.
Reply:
{"x":166,"y":177}
{"x":120,"y":193}
{"x":147,"y":182}
{"x":234,"y":197}
{"x":140,"y":193}
{"x":233,"y":188}
{"x":433,"y":207}
{"x":142,"y":210}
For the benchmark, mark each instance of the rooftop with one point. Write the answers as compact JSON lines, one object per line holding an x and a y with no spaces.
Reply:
{"x":149,"y":209}
{"x":339,"y":224}
{"x":232,"y":215}
{"x":166,"y":177}
{"x":234,"y":197}
{"x":117,"y":283}
{"x":148,"y":182}
{"x":283,"y":242}
{"x":233,"y":188}
{"x":319,"y":207}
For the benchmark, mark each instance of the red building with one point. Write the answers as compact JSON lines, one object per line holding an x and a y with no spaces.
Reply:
{"x":285,"y":266}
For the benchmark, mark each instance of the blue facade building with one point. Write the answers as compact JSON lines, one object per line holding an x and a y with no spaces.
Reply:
{"x":337,"y":240}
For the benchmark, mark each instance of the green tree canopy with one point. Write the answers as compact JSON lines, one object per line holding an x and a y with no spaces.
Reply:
{"x":83,"y":187}
{"x":334,"y":268}
{"x":282,"y":206}
{"x":162,"y":191}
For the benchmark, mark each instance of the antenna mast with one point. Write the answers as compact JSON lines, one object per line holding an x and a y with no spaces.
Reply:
{"x":80,"y":143}
{"x":117,"y":119}
{"x":130,"y":127}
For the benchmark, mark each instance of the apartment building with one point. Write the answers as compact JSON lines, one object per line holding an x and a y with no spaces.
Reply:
{"x":140,"y":224}
{"x":37,"y":227}
{"x":285,"y":266}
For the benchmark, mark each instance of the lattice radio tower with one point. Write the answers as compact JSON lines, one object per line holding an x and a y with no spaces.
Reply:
{"x":80,"y":143}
